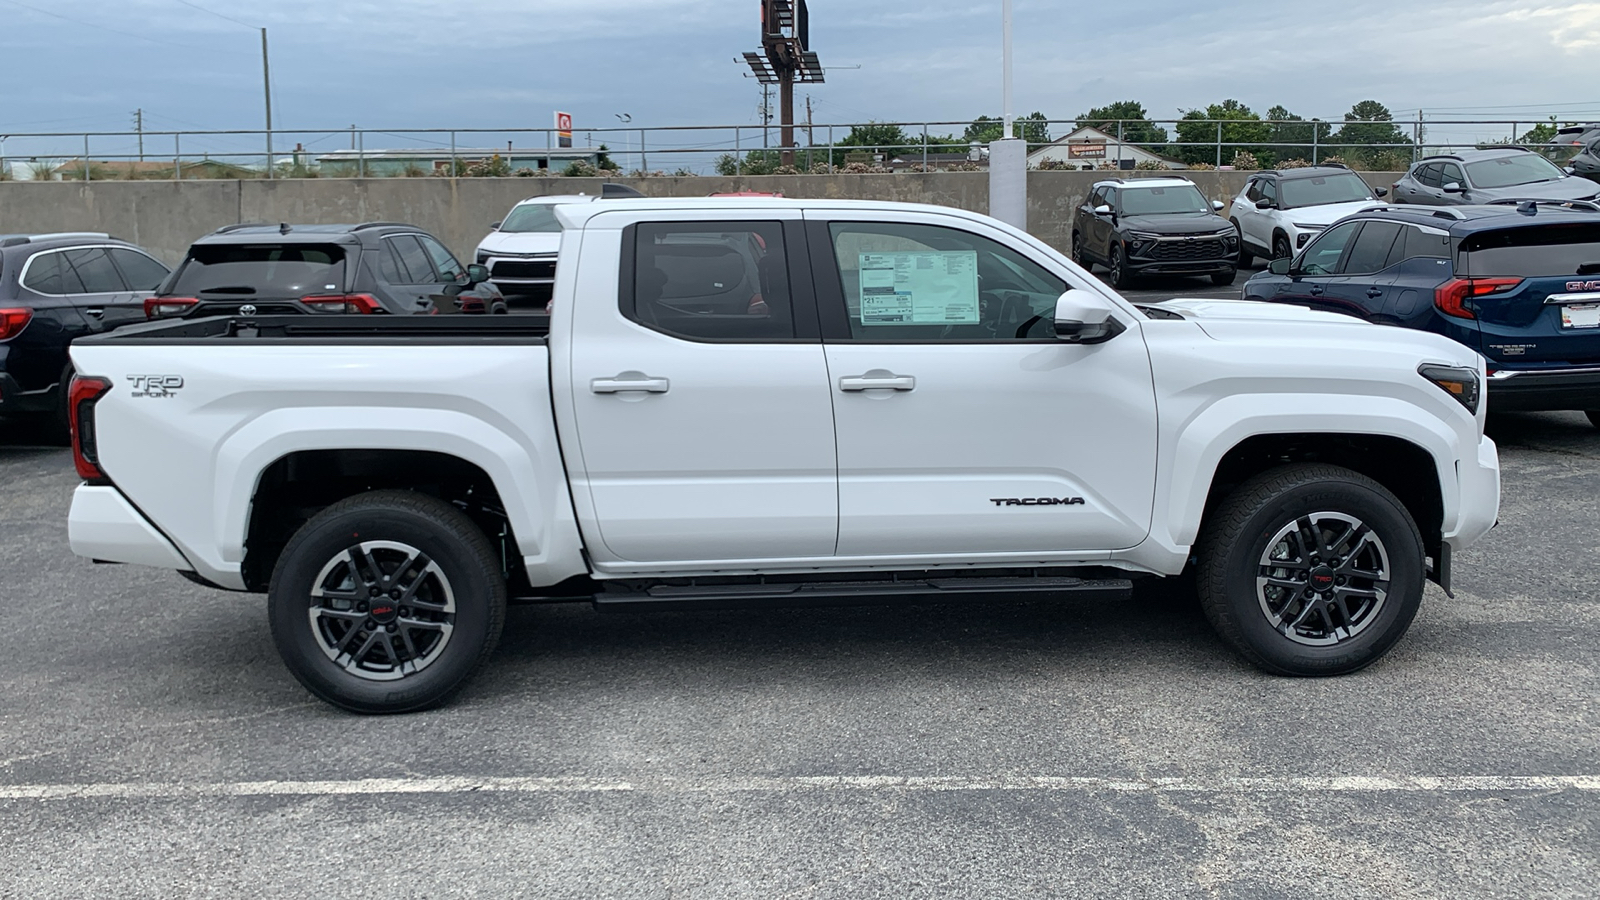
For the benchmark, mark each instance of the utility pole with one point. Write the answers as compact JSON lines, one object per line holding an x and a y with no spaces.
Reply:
{"x":138,"y":125}
{"x":266,"y":84}
{"x":810,"y":139}
{"x":766,"y":113}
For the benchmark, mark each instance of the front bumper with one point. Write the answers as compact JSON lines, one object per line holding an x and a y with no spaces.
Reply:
{"x":1478,"y":479}
{"x":1183,"y":267}
{"x":1545,"y":389}
{"x":103,"y":526}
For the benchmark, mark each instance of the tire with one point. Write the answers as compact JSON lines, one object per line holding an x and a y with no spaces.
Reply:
{"x":438,"y":629}
{"x":1120,"y":277}
{"x":1245,"y":257}
{"x":1223,"y":279}
{"x":58,"y":424}
{"x":1280,"y":247}
{"x":1077,"y":254}
{"x":1265,"y":520}
{"x":1594,"y":417}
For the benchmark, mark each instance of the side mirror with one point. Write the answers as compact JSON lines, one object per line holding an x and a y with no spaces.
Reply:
{"x":1569,"y":170}
{"x":477,"y":274}
{"x":1085,"y":318}
{"x":1216,"y":205}
{"x":1381,"y":192}
{"x":1454,"y":187}
{"x":1264,"y":203}
{"x":494,"y":226}
{"x":1280,"y":266}
{"x":1102,"y":210}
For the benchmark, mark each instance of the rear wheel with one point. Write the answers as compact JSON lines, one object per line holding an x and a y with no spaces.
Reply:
{"x":1280,"y":247}
{"x":1120,"y":277}
{"x":1311,"y":570}
{"x":387,"y":602}
{"x":1594,"y":417}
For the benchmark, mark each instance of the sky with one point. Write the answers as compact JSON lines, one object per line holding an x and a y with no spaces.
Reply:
{"x":398,"y":64}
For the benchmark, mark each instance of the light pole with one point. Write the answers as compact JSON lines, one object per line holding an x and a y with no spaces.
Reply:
{"x":627,"y":144}
{"x":5,"y":166}
{"x":1008,"y":156}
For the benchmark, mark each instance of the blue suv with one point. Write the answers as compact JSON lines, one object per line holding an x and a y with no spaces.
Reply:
{"x":1518,"y":282}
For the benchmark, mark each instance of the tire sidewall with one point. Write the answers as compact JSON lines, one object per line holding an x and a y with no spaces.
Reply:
{"x":475,"y":623}
{"x":1241,"y":560}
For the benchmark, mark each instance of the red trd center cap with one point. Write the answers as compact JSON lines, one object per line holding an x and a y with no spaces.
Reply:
{"x":384,"y":611}
{"x":1321,"y":578}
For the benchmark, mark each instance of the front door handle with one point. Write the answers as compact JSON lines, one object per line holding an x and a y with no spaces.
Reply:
{"x":1374,"y":292}
{"x":96,"y":311}
{"x":878,"y":380}
{"x":1316,"y":290}
{"x":629,"y":381}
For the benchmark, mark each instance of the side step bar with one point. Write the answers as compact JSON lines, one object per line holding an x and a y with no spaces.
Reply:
{"x":849,"y":593}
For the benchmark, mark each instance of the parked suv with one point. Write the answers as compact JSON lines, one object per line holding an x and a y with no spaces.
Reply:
{"x":53,"y":288}
{"x":1578,"y":148}
{"x":520,"y":251}
{"x":1519,"y":283}
{"x":1484,"y":176}
{"x":1154,"y":226}
{"x":1279,"y":211}
{"x":378,"y":267}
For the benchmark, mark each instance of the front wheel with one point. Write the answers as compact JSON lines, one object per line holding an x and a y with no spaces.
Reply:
{"x":387,"y":602}
{"x":1120,"y":276}
{"x":1311,"y":570}
{"x":1077,"y":254}
{"x":1280,"y":247}
{"x":1245,"y":257}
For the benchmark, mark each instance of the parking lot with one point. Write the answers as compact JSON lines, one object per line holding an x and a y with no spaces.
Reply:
{"x":154,"y":745}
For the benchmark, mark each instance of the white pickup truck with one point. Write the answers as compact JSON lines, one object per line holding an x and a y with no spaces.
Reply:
{"x":754,"y":401}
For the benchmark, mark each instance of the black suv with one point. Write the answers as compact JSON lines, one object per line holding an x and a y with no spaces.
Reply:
{"x":54,"y":288}
{"x":1517,"y":282}
{"x":1154,"y":226}
{"x":377,"y":267}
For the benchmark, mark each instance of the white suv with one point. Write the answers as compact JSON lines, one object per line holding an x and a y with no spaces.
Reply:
{"x":520,"y":252}
{"x":1280,"y":211}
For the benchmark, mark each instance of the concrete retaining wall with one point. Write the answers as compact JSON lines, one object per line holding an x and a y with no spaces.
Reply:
{"x":165,"y":216}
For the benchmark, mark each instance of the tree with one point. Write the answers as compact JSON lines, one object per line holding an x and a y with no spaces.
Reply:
{"x":1542,"y":133}
{"x":1289,"y":139}
{"x":1367,"y":132}
{"x":1129,"y":115}
{"x":603,"y":160}
{"x":1033,"y":128}
{"x":1198,"y":133}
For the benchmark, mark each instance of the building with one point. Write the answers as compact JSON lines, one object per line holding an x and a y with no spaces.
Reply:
{"x":1090,"y":148}
{"x":153,"y":170}
{"x":436,"y":160}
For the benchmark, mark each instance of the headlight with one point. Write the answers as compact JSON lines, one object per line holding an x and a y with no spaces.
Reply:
{"x":1460,"y":383}
{"x":483,"y":257}
{"x":1140,"y":235}
{"x":1309,"y":227}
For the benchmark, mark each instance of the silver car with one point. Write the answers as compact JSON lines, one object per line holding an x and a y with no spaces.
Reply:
{"x":1484,"y":176}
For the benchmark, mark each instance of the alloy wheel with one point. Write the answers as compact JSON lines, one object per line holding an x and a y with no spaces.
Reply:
{"x":1323,"y":579}
{"x":382,"y":610}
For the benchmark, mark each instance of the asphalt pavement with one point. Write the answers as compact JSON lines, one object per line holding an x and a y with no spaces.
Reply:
{"x":152,"y":745}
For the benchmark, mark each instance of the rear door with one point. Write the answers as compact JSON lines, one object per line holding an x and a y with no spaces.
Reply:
{"x":141,"y":274}
{"x":1539,"y":304}
{"x":408,"y":268}
{"x":85,"y":278}
{"x":699,"y":393}
{"x":1366,"y":272}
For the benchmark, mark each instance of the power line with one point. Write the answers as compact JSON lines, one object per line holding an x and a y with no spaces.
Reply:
{"x":130,"y":34}
{"x":218,"y":15}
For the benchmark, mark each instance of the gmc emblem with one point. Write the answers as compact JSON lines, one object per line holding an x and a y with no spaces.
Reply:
{"x":1583,"y":285}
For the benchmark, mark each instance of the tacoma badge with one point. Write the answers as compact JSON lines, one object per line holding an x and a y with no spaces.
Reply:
{"x":1037,"y":501}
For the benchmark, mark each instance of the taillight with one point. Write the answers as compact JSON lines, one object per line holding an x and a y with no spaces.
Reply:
{"x":81,"y":398}
{"x":13,"y":320}
{"x":1452,"y":297}
{"x":342,"y":303}
{"x":161,"y":307}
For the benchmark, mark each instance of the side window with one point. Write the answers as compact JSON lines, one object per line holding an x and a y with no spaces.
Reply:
{"x":414,"y":264}
{"x":443,"y":262}
{"x":1097,"y":198}
{"x":389,"y":264}
{"x":1112,"y":196}
{"x":1370,"y":252}
{"x":1252,"y":190}
{"x":1450,"y":173}
{"x":1322,"y":257}
{"x":47,"y":275}
{"x":928,"y":283}
{"x":140,"y":272}
{"x":1269,"y":191}
{"x":710,"y":280}
{"x":1428,"y":175}
{"x":95,"y":270}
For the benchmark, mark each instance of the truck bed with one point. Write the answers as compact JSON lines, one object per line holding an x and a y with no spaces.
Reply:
{"x":366,"y":329}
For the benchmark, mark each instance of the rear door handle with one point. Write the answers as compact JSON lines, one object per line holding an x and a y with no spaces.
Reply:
{"x":878,"y":380}
{"x":1374,"y":292}
{"x":96,"y":311}
{"x":1316,"y":290}
{"x":629,"y":381}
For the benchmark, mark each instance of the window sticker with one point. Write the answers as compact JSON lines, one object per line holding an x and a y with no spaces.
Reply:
{"x":919,"y":288}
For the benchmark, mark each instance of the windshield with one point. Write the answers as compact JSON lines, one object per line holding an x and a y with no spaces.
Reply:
{"x":1146,"y":201}
{"x":274,"y":270}
{"x":1297,"y":192}
{"x":1569,"y":250}
{"x":532,"y":217}
{"x":1505,"y":171}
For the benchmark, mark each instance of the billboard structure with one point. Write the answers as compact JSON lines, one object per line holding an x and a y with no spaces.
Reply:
{"x":785,"y":58}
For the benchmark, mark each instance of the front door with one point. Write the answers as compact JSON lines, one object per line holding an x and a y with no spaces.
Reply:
{"x":965,"y":428}
{"x":704,"y":425}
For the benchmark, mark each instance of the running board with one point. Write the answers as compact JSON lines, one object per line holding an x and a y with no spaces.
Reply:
{"x":850,"y":593}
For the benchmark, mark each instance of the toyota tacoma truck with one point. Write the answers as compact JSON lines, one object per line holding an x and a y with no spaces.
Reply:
{"x":747,"y":402}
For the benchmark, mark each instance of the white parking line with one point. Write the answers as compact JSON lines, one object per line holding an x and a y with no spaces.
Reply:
{"x":1353,"y":784}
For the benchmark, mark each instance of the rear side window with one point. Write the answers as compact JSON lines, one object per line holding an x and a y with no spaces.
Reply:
{"x":95,"y":270}
{"x":1429,"y":175}
{"x":261,"y":270}
{"x":46,"y":274}
{"x":1414,"y":242}
{"x":1532,"y":252}
{"x":710,"y":280}
{"x":139,"y":271}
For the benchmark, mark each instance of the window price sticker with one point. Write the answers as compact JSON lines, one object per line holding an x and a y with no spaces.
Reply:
{"x":919,"y":288}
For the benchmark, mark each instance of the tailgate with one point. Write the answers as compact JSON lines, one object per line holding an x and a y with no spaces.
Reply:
{"x":1542,"y":305}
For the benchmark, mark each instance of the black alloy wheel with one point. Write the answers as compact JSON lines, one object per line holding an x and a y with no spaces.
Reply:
{"x":1077,"y":253}
{"x":387,"y":602}
{"x":1280,"y":247}
{"x":1311,"y":570}
{"x":1120,"y":278}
